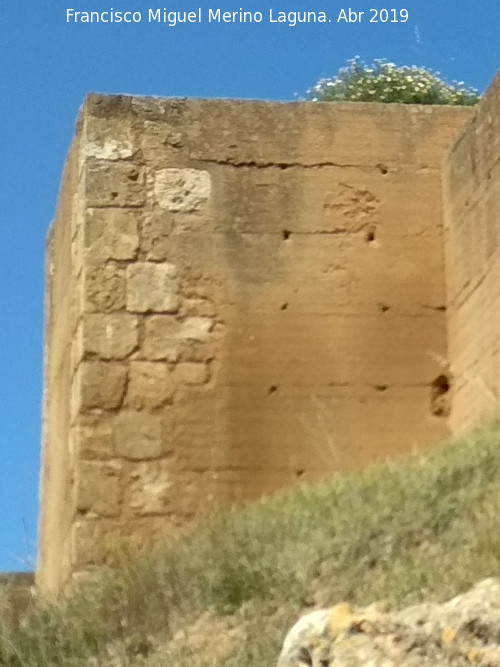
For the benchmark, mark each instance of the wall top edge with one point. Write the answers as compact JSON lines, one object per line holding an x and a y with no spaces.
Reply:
{"x":104,"y":105}
{"x":485,"y":110}
{"x":17,"y":578}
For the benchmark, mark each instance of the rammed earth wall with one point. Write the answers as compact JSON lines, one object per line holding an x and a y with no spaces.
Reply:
{"x":241,"y":296}
{"x":472,"y":208}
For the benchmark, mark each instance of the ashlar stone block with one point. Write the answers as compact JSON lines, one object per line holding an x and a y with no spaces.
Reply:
{"x":156,"y":231}
{"x":182,"y":190}
{"x":98,"y":385}
{"x":114,"y":184}
{"x":103,"y":287}
{"x":150,"y":385}
{"x":108,"y":140}
{"x":109,"y":149}
{"x":191,"y":373}
{"x":97,"y":488}
{"x":149,"y":488}
{"x":109,"y":336}
{"x":196,"y":328}
{"x":164,"y":335}
{"x":91,"y":541}
{"x":197,"y":308}
{"x":160,"y":134}
{"x":152,"y":288}
{"x":160,"y":341}
{"x":140,"y":532}
{"x":138,"y":435}
{"x":94,"y":437}
{"x":111,"y":233}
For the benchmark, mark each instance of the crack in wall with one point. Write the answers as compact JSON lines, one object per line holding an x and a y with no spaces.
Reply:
{"x":326,"y":164}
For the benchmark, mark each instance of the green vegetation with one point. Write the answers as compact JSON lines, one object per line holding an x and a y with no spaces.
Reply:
{"x":425,"y":528}
{"x":385,"y":82}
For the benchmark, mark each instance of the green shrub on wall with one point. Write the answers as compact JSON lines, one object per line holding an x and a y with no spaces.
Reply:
{"x":385,"y":82}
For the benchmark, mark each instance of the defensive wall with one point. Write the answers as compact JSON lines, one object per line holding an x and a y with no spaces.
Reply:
{"x":16,"y":596}
{"x":472,"y":215}
{"x":242,"y":296}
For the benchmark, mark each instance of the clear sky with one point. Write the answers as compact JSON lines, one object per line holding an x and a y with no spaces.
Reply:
{"x":48,"y":65}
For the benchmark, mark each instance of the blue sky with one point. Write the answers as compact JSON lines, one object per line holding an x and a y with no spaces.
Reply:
{"x":47,"y":66}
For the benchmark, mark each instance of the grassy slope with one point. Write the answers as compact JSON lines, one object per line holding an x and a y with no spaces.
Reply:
{"x":401,"y":532}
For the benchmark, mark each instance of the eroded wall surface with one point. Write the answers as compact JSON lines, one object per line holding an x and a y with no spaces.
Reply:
{"x":471,"y":180}
{"x":259,"y":302}
{"x":472,"y":204}
{"x":62,"y":313}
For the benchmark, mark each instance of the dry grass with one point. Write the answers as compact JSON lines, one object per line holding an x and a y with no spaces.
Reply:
{"x":425,"y":528}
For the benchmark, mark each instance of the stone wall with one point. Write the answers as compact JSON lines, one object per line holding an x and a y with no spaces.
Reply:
{"x":62,"y":313}
{"x":16,"y":597}
{"x":472,"y":208}
{"x":249,"y":295}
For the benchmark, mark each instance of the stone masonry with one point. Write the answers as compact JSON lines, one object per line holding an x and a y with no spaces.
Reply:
{"x":241,"y":296}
